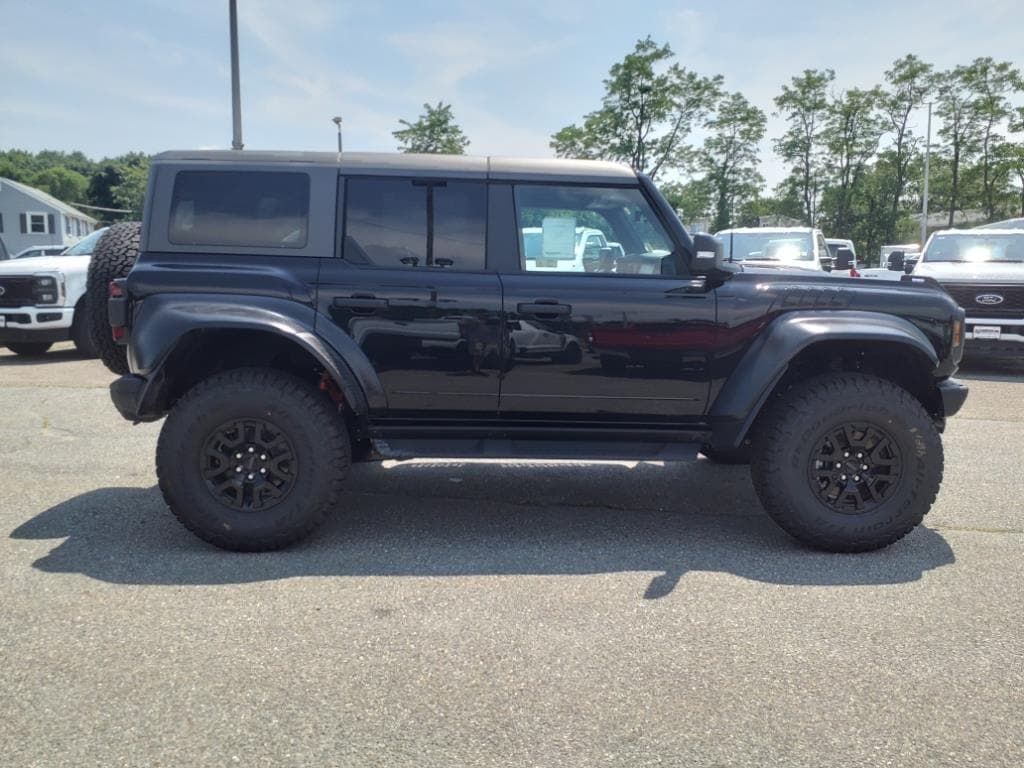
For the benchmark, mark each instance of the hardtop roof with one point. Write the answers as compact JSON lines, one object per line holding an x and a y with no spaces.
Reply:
{"x":390,"y":164}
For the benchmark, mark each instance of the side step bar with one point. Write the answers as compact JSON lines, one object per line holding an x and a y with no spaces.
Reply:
{"x":526,"y":448}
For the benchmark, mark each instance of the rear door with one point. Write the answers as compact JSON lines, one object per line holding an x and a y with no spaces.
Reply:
{"x":412,"y":290}
{"x":633,"y":335}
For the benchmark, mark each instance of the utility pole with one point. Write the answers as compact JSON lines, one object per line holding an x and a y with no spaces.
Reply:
{"x":236,"y":97}
{"x":337,"y":121}
{"x":924,"y":200}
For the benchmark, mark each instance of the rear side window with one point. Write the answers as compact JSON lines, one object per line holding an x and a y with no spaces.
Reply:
{"x":259,"y":209}
{"x":409,"y":223}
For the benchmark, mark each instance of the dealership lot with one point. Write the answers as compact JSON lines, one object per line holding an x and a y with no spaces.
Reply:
{"x":498,"y":613}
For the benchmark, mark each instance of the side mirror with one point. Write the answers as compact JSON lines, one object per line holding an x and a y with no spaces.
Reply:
{"x":844,"y":259}
{"x":826,"y":263}
{"x":707,"y":254}
{"x":908,"y":266}
{"x":897,"y":261}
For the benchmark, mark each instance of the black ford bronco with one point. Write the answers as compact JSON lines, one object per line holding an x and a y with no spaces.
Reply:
{"x":291,"y":313}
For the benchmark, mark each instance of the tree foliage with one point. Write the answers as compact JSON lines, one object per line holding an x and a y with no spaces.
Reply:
{"x":435,"y":131}
{"x":651,"y":105}
{"x":730,"y":156}
{"x":804,"y":105}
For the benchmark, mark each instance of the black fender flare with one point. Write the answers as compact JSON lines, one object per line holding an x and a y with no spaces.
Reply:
{"x":768,"y":357}
{"x":162,"y":320}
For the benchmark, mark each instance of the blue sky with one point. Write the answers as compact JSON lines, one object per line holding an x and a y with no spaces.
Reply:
{"x":107,"y":77}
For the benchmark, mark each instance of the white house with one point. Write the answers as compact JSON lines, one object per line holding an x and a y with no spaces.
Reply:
{"x":29,"y":216}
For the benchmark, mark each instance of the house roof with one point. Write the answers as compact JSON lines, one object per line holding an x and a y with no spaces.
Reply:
{"x":46,"y":199}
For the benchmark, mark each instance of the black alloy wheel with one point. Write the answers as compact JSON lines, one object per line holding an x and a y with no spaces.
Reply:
{"x":855,"y":467}
{"x":249,"y":464}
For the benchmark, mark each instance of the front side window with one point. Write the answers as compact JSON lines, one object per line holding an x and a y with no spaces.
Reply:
{"x":257,"y":209}
{"x":408,"y":223}
{"x":609,"y":230}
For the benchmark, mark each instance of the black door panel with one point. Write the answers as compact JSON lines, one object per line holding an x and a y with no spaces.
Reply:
{"x":433,"y":337}
{"x":607,"y":347}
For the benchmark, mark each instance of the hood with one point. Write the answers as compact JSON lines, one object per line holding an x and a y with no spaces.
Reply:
{"x":29,"y":266}
{"x":753,"y":265}
{"x":971,"y":272}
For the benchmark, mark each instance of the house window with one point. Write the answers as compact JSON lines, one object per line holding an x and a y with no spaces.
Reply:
{"x":37,"y":224}
{"x":67,"y":226}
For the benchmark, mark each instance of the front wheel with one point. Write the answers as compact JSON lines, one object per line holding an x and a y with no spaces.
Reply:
{"x":847,"y":462}
{"x":29,"y":348}
{"x":252,"y":459}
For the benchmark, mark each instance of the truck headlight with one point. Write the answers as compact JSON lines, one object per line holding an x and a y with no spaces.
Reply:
{"x":48,"y":289}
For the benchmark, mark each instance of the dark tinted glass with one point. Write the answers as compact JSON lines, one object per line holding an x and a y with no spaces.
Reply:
{"x":244,"y":208}
{"x":460,"y":224}
{"x":387,"y":223}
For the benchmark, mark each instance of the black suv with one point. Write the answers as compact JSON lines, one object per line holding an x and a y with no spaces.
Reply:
{"x":291,"y":313}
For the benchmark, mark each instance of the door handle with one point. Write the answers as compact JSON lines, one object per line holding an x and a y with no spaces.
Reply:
{"x":544,"y":309}
{"x":361,"y":305}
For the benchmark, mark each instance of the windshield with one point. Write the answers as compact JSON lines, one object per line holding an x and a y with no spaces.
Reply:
{"x":971,"y":247}
{"x":767,"y":246}
{"x":84,"y":246}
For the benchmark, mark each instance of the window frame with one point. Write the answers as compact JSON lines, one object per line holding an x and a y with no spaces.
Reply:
{"x":28,"y":223}
{"x":426,"y":181}
{"x":321,"y":225}
{"x":677,"y":253}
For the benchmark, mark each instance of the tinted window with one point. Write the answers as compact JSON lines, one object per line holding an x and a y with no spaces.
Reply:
{"x":244,"y":208}
{"x":591,"y":229}
{"x":387,"y":223}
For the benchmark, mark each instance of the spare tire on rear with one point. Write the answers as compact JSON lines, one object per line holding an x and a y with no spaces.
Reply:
{"x":114,"y":257}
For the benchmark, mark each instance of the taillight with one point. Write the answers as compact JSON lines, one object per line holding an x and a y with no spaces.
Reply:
{"x":114,"y":290}
{"x":117,"y":332}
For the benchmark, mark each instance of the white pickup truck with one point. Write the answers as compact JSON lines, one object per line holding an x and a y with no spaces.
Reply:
{"x":983,"y":269}
{"x":42,"y":300}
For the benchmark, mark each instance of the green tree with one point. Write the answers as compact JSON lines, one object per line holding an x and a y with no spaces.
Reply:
{"x":960,"y":129}
{"x":804,"y":105}
{"x":991,"y":85}
{"x":851,"y":132}
{"x":63,"y":183}
{"x":910,"y":81}
{"x":435,"y":131}
{"x":691,"y":200}
{"x":647,"y":113}
{"x":730,"y":157}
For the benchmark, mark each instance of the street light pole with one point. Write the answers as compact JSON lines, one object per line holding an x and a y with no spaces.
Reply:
{"x":337,"y":121}
{"x":236,"y":97}
{"x":924,"y":201}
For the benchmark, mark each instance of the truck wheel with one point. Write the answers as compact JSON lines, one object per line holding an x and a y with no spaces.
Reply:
{"x":739,"y":455}
{"x":113,"y":257}
{"x":252,"y":459}
{"x":29,"y":348}
{"x":847,"y":462}
{"x":80,"y":333}
{"x":571,"y":355}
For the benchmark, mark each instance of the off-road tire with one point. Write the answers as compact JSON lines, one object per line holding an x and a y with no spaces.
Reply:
{"x":739,"y":455}
{"x":787,"y":439}
{"x":308,"y":419}
{"x":29,"y":348}
{"x":81,"y":335}
{"x":113,"y":257}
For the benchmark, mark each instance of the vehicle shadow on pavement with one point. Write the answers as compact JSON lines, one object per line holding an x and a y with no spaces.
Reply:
{"x":457,"y":519}
{"x":47,"y":358}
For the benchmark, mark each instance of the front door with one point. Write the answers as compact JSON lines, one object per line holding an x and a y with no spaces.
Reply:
{"x":624,"y":339}
{"x":411,"y":289}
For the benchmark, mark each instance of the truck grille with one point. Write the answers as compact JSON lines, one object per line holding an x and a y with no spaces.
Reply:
{"x":1011,"y":306}
{"x":17,"y":292}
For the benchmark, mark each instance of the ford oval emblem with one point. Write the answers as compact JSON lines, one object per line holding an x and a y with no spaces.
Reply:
{"x":989,"y":299}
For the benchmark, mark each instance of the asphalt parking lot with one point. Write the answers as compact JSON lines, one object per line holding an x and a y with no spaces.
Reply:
{"x":498,"y":614}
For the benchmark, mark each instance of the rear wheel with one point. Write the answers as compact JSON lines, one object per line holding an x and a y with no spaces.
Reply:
{"x":252,"y":459}
{"x":847,"y":462}
{"x":29,"y":348}
{"x":113,"y":257}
